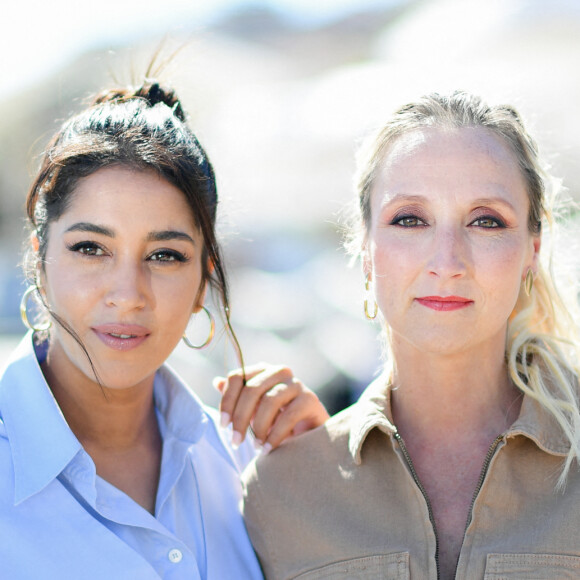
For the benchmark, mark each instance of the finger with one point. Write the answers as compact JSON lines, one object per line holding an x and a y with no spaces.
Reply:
{"x":230,"y":393}
{"x":270,"y":405}
{"x":303,"y":413}
{"x":219,"y":383}
{"x":251,"y":394}
{"x":231,"y":387}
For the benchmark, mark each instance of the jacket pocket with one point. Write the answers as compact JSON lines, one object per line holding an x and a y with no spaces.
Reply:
{"x":384,"y":566}
{"x":532,"y":567}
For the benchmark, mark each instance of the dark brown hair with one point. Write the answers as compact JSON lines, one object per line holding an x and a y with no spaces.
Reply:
{"x":143,"y":129}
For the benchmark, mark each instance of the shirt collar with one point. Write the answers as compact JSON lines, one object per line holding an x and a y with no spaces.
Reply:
{"x":41,"y":442}
{"x":43,"y":445}
{"x":180,"y":412}
{"x":373,"y":410}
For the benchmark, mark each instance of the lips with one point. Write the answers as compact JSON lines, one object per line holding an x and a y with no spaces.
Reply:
{"x":444,"y":303}
{"x":121,"y":337}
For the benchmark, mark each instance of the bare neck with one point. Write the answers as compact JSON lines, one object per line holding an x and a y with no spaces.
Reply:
{"x":102,"y":418}
{"x":441,"y":395}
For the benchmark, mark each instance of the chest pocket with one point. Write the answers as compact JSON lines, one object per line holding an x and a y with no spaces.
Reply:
{"x":384,"y":566}
{"x":532,"y":567}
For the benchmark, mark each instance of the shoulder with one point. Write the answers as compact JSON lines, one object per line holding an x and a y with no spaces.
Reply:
{"x":302,"y":455}
{"x":336,"y":444}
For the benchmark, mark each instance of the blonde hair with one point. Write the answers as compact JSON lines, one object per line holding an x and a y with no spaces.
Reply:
{"x":542,"y":351}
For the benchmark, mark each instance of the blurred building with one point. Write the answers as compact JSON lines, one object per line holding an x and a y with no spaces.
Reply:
{"x":280,"y":107}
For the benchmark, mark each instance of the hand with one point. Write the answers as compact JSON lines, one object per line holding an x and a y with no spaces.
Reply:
{"x":275,"y":403}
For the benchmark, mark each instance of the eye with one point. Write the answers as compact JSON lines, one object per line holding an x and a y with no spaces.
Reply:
{"x":408,"y":221}
{"x":87,"y":249}
{"x":488,"y":222}
{"x":167,"y":256}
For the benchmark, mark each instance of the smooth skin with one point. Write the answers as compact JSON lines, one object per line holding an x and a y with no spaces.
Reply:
{"x":123,"y":270}
{"x":447,"y":251}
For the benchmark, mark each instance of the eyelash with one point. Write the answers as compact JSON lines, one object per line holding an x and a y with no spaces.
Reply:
{"x":92,"y":249}
{"x":497,"y":221}
{"x":86,"y":249}
{"x":168,"y":256}
{"x":400,"y":218}
{"x":421,"y":223}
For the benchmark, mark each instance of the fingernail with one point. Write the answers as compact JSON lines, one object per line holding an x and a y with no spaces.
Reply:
{"x":258,"y":444}
{"x":216,"y":381}
{"x":266,"y":449}
{"x":225,"y":420}
{"x":236,"y":439}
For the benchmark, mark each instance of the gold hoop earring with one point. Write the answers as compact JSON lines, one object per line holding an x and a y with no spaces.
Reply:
{"x":366,"y":303}
{"x":529,"y":282}
{"x":211,"y":332}
{"x":24,"y":313}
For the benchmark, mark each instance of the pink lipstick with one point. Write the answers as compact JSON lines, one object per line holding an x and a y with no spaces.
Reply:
{"x":121,"y":336}
{"x":444,"y":303}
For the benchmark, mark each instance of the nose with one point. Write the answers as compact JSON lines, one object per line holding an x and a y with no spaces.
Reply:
{"x":127,"y":285}
{"x":449,"y":254}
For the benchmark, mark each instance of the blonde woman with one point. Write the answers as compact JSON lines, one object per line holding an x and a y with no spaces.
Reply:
{"x":460,"y":460}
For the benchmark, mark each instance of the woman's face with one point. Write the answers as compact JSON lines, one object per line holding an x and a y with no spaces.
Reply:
{"x":449,"y":245}
{"x":123,"y":270}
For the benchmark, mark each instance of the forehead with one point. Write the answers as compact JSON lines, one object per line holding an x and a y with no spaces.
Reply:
{"x":456,"y":159}
{"x":122,"y":193}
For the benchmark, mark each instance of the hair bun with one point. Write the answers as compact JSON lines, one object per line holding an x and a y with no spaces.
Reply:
{"x":150,"y":91}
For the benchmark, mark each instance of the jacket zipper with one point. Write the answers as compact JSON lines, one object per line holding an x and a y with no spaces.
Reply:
{"x":486,"y":462}
{"x":422,"y":490}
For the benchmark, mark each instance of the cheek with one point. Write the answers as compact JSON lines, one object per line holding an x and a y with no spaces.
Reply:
{"x":65,"y":291}
{"x":176,"y":298}
{"x":392,"y":275}
{"x":392,"y":262}
{"x":503,"y":264}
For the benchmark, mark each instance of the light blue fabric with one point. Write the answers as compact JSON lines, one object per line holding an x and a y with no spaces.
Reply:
{"x":60,"y":520}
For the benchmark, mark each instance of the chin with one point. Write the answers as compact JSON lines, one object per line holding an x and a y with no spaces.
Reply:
{"x":119,"y":377}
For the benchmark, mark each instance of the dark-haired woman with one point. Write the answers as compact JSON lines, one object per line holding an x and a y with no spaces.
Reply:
{"x":111,"y":467}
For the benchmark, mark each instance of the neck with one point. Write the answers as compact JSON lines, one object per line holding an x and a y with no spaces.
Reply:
{"x":438,"y":395}
{"x":100,"y":417}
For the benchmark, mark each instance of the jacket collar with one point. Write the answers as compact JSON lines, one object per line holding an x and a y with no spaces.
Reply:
{"x":373,"y":410}
{"x":41,"y":442}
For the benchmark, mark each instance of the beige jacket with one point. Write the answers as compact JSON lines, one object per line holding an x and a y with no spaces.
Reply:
{"x":341,"y":502}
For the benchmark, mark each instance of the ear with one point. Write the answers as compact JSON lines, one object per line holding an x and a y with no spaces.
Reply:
{"x":202,"y":292}
{"x":35,"y":245}
{"x":367,"y":264}
{"x":200,"y":299}
{"x":34,"y":242}
{"x":537,"y":243}
{"x":210,"y":266}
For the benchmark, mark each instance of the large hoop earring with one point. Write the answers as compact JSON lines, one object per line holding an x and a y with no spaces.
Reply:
{"x":366,"y":303}
{"x":529,"y":282}
{"x":24,"y":313}
{"x":211,"y":332}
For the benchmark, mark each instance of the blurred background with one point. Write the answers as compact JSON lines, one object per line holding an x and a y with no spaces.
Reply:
{"x":279,"y":93}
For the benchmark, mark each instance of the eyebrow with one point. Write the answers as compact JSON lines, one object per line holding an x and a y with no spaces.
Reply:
{"x":159,"y":236}
{"x":165,"y":235}
{"x":410,"y":198}
{"x":493,"y":201}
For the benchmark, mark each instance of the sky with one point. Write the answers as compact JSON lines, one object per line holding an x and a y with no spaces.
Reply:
{"x":39,"y":36}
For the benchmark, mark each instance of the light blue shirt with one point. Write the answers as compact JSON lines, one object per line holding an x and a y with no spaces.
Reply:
{"x":60,"y":520}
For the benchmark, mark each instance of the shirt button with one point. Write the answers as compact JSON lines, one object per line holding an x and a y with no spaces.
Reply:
{"x":175,"y":556}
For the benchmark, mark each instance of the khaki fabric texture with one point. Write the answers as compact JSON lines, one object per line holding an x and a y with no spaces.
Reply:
{"x":340,"y":502}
